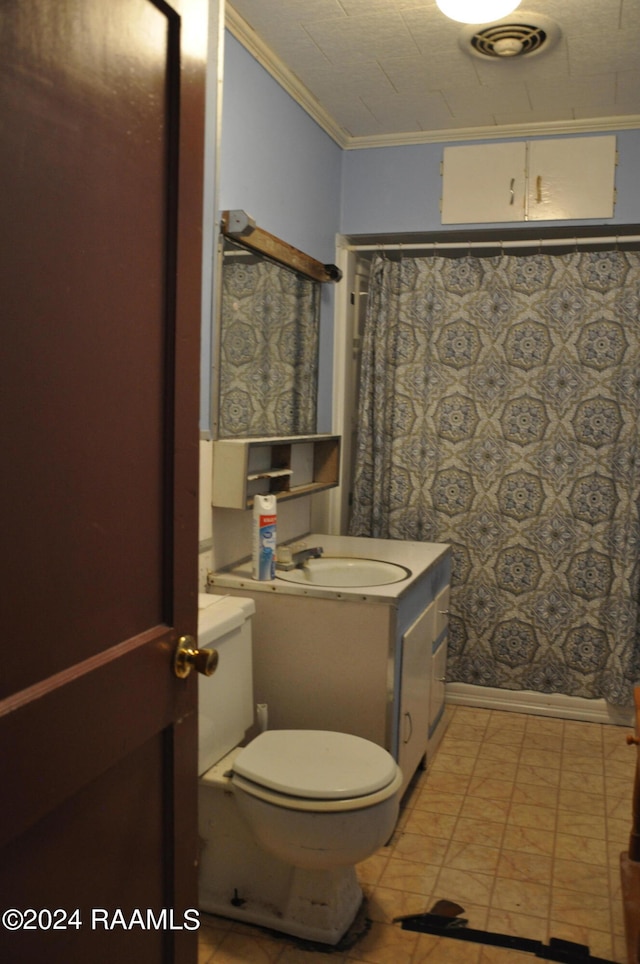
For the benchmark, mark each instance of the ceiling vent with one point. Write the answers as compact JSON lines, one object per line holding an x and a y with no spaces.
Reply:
{"x":508,"y":40}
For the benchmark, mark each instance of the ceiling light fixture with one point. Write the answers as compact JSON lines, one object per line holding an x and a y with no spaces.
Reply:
{"x":477,"y":11}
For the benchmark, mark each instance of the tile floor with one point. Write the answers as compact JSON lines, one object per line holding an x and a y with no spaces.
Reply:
{"x":520,"y":819}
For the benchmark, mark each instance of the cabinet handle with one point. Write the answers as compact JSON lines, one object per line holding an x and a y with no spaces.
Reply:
{"x":441,"y":679}
{"x":513,"y":181}
{"x":407,"y":716}
{"x":443,"y":612}
{"x":539,"y":189}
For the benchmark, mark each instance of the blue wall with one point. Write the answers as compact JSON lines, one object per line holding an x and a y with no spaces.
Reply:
{"x":276,"y":163}
{"x":280,"y":167}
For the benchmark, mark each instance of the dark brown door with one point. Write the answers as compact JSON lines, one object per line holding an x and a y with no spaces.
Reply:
{"x":101,"y":133}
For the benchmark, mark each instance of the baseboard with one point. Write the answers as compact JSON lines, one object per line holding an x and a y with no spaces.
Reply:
{"x":539,"y":704}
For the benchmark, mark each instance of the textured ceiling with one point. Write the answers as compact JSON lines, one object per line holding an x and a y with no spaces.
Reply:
{"x":394,"y":71}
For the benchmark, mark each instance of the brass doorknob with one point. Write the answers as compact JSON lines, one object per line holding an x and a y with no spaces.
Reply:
{"x":189,"y":657}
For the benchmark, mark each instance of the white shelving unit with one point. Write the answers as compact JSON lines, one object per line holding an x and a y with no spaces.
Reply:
{"x":287,"y":467}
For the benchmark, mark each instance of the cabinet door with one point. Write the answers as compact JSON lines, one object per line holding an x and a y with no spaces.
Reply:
{"x":417,"y":644}
{"x":571,"y":178}
{"x":483,"y":183}
{"x":438,"y":669}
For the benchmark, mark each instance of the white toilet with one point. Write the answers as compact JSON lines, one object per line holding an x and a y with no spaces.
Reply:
{"x":283,"y":820}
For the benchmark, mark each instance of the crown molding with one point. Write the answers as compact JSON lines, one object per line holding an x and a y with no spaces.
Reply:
{"x":260,"y":51}
{"x":555,"y":128}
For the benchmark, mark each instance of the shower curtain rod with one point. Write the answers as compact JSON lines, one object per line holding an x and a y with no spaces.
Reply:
{"x":512,"y":243}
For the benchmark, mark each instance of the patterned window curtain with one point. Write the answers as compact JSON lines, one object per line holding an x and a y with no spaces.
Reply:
{"x":499,"y":412}
{"x":269,"y":351}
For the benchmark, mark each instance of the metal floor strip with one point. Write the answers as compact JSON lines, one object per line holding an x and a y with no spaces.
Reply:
{"x":564,"y":952}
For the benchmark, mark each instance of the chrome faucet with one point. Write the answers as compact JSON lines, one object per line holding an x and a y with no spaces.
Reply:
{"x":295,"y":555}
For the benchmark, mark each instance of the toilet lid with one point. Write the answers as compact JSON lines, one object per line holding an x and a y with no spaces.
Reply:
{"x":316,"y":764}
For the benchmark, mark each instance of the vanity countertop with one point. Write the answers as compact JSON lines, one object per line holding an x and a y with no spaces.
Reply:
{"x":418,"y":557}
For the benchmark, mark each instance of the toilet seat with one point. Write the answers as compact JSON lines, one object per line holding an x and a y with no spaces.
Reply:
{"x":316,"y":770}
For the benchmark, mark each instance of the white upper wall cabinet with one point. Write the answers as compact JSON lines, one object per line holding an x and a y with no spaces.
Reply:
{"x":541,"y":180}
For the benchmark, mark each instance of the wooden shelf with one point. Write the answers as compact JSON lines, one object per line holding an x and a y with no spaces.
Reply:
{"x":285,"y":467}
{"x":271,"y":474}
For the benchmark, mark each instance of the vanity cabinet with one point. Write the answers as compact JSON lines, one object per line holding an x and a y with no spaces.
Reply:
{"x":353,"y":661}
{"x":538,"y":180}
{"x":287,"y":467}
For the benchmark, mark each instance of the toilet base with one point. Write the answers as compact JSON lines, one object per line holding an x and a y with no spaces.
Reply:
{"x":318,"y":906}
{"x":239,"y":880}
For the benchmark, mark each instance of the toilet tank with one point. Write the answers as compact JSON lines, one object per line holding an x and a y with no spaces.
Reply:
{"x":225,"y":700}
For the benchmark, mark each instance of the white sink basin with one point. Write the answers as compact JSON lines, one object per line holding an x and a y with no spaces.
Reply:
{"x":342,"y":572}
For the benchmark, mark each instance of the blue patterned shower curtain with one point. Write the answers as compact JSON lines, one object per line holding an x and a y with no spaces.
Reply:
{"x":500,"y":412}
